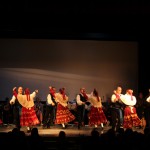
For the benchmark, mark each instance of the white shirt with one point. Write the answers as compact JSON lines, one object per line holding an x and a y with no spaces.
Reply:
{"x":49,"y":99}
{"x":148,"y":99}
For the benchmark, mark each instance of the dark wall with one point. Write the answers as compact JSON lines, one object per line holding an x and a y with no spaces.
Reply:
{"x":144,"y":63}
{"x":39,"y":63}
{"x":102,"y":20}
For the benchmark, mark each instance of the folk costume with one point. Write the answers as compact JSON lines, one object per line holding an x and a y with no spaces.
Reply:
{"x":131,"y":118}
{"x":28,"y":115}
{"x":96,"y":113}
{"x":50,"y":112}
{"x":63,"y":114}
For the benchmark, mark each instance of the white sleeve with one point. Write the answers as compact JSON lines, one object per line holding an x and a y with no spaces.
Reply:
{"x":113,"y":97}
{"x":79,"y":102}
{"x":33,"y":94}
{"x":12,"y":101}
{"x":49,"y":99}
{"x":148,"y":99}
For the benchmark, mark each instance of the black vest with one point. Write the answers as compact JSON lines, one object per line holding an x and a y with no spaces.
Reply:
{"x":82,"y":98}
{"x":53,"y":99}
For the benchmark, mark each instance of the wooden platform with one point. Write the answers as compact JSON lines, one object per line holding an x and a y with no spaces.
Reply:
{"x":71,"y":130}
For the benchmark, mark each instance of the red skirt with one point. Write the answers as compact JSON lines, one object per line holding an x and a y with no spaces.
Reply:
{"x":96,"y":116}
{"x":63,"y":115}
{"x":131,"y":118}
{"x":28,"y":117}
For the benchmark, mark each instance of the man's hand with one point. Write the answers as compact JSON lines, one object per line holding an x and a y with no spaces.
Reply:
{"x":53,"y":104}
{"x":14,"y":88}
{"x":36,"y":91}
{"x":11,"y":103}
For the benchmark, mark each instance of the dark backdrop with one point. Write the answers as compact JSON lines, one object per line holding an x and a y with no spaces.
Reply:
{"x":104,"y":21}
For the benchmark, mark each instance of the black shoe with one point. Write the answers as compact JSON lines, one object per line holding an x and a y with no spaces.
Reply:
{"x":48,"y":127}
{"x":44,"y":127}
{"x":66,"y":126}
{"x":28,"y":131}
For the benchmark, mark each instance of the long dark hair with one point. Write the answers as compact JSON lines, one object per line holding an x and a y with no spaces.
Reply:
{"x":95,"y":92}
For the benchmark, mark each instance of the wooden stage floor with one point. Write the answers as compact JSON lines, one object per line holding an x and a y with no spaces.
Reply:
{"x":71,"y":130}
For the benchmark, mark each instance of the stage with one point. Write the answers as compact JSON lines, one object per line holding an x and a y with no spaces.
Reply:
{"x":71,"y":130}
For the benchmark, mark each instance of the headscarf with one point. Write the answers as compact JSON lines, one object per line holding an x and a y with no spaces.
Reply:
{"x":62,"y":91}
{"x":27,"y":93}
{"x":84,"y":94}
{"x":15,"y":93}
{"x":52,"y":91}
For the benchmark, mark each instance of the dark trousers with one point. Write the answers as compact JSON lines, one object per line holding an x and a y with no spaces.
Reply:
{"x":50,"y":114}
{"x":16,"y":116}
{"x":80,"y":114}
{"x":117,"y":118}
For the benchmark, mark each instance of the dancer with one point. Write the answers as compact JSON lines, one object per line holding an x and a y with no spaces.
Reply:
{"x":16,"y":106}
{"x":51,"y":106}
{"x":81,"y":99}
{"x":63,"y":114}
{"x":131,"y":118}
{"x":28,"y":117}
{"x":96,"y":114}
{"x":117,"y":109}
